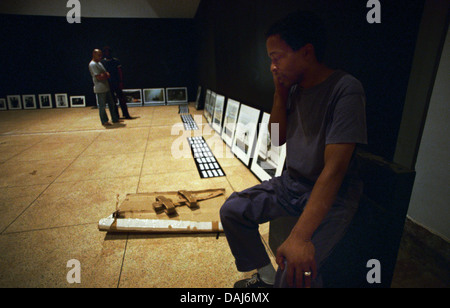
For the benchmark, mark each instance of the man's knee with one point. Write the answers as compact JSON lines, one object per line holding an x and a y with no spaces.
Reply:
{"x":230,"y":207}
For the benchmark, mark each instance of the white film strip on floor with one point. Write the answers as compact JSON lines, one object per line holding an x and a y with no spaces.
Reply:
{"x":188,"y":121}
{"x":207,"y":165}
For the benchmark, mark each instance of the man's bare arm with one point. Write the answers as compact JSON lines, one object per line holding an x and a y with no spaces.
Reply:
{"x":102,"y":76}
{"x":297,"y":250}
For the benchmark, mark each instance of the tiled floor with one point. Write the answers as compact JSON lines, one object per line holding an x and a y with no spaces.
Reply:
{"x":60,"y":172}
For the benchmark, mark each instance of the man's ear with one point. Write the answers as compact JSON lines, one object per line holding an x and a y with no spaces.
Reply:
{"x":309,"y":50}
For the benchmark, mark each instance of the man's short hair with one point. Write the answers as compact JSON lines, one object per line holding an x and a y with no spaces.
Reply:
{"x":300,"y":28}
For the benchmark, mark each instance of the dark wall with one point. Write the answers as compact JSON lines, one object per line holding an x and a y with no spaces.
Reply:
{"x":45,"y":54}
{"x":379,"y":55}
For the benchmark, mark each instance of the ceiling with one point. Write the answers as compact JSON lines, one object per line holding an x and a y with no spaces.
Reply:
{"x":105,"y":8}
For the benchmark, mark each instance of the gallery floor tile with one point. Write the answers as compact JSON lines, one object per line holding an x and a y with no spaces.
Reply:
{"x":61,"y":172}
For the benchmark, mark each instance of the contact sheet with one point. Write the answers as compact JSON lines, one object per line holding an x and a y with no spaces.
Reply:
{"x":207,"y":165}
{"x":188,"y":121}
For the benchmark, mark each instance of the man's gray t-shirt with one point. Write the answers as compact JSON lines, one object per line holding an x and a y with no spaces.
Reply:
{"x":328,"y":113}
{"x":96,"y":68}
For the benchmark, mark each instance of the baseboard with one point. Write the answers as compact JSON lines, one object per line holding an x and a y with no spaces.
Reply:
{"x":427,"y":238}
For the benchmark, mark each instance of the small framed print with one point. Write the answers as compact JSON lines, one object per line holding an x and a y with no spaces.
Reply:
{"x":230,"y":120}
{"x":212,"y":103}
{"x":29,"y":101}
{"x":177,"y":96}
{"x":154,"y":97}
{"x":3,"y":104}
{"x":61,"y":100}
{"x":133,"y":97}
{"x":245,"y":134}
{"x":218,"y":113}
{"x":207,"y":103}
{"x":45,"y":101}
{"x":77,"y":101}
{"x":269,"y":159}
{"x":197,"y":100}
{"x":14,"y":102}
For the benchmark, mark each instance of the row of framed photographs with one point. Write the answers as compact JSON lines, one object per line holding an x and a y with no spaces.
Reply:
{"x":28,"y":101}
{"x":156,"y":96}
{"x":134,"y":97}
{"x":237,"y":124}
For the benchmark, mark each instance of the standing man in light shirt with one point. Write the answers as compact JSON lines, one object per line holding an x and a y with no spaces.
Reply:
{"x":101,"y":88}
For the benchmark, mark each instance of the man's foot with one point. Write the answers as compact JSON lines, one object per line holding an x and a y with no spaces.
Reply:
{"x":106,"y":124}
{"x":254,"y":282}
{"x":130,"y":118}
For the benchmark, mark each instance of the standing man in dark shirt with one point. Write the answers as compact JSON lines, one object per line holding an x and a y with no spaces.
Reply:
{"x":114,"y":67}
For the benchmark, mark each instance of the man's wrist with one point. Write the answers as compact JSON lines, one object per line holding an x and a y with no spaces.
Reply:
{"x":301,"y":235}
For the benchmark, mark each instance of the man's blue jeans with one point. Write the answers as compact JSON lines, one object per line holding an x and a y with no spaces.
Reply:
{"x":102,"y":100}
{"x":281,"y":196}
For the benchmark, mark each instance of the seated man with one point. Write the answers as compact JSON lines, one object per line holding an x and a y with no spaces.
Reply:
{"x":320,"y":114}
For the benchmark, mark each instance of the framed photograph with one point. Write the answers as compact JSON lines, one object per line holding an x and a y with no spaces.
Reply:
{"x":45,"y":101}
{"x":197,"y":100}
{"x":218,"y":113}
{"x":77,"y":101}
{"x":206,"y":107}
{"x":14,"y":102}
{"x":177,"y":96}
{"x":29,"y":101}
{"x":154,"y":97}
{"x":133,"y":97}
{"x":212,"y":103}
{"x":230,"y":120}
{"x":61,"y":100}
{"x":3,"y":104}
{"x":245,"y":134}
{"x":268,"y":160}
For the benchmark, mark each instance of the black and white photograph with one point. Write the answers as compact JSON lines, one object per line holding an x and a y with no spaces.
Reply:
{"x":230,"y":120}
{"x":3,"y":104}
{"x":269,"y":159}
{"x":206,"y":110}
{"x":197,"y":100}
{"x":14,"y":102}
{"x":45,"y":101}
{"x":211,"y":105}
{"x":218,"y":113}
{"x":133,"y":97}
{"x":77,"y":101}
{"x":154,"y":97}
{"x":245,"y":135}
{"x":29,"y":101}
{"x":176,"y":96}
{"x":61,"y":100}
